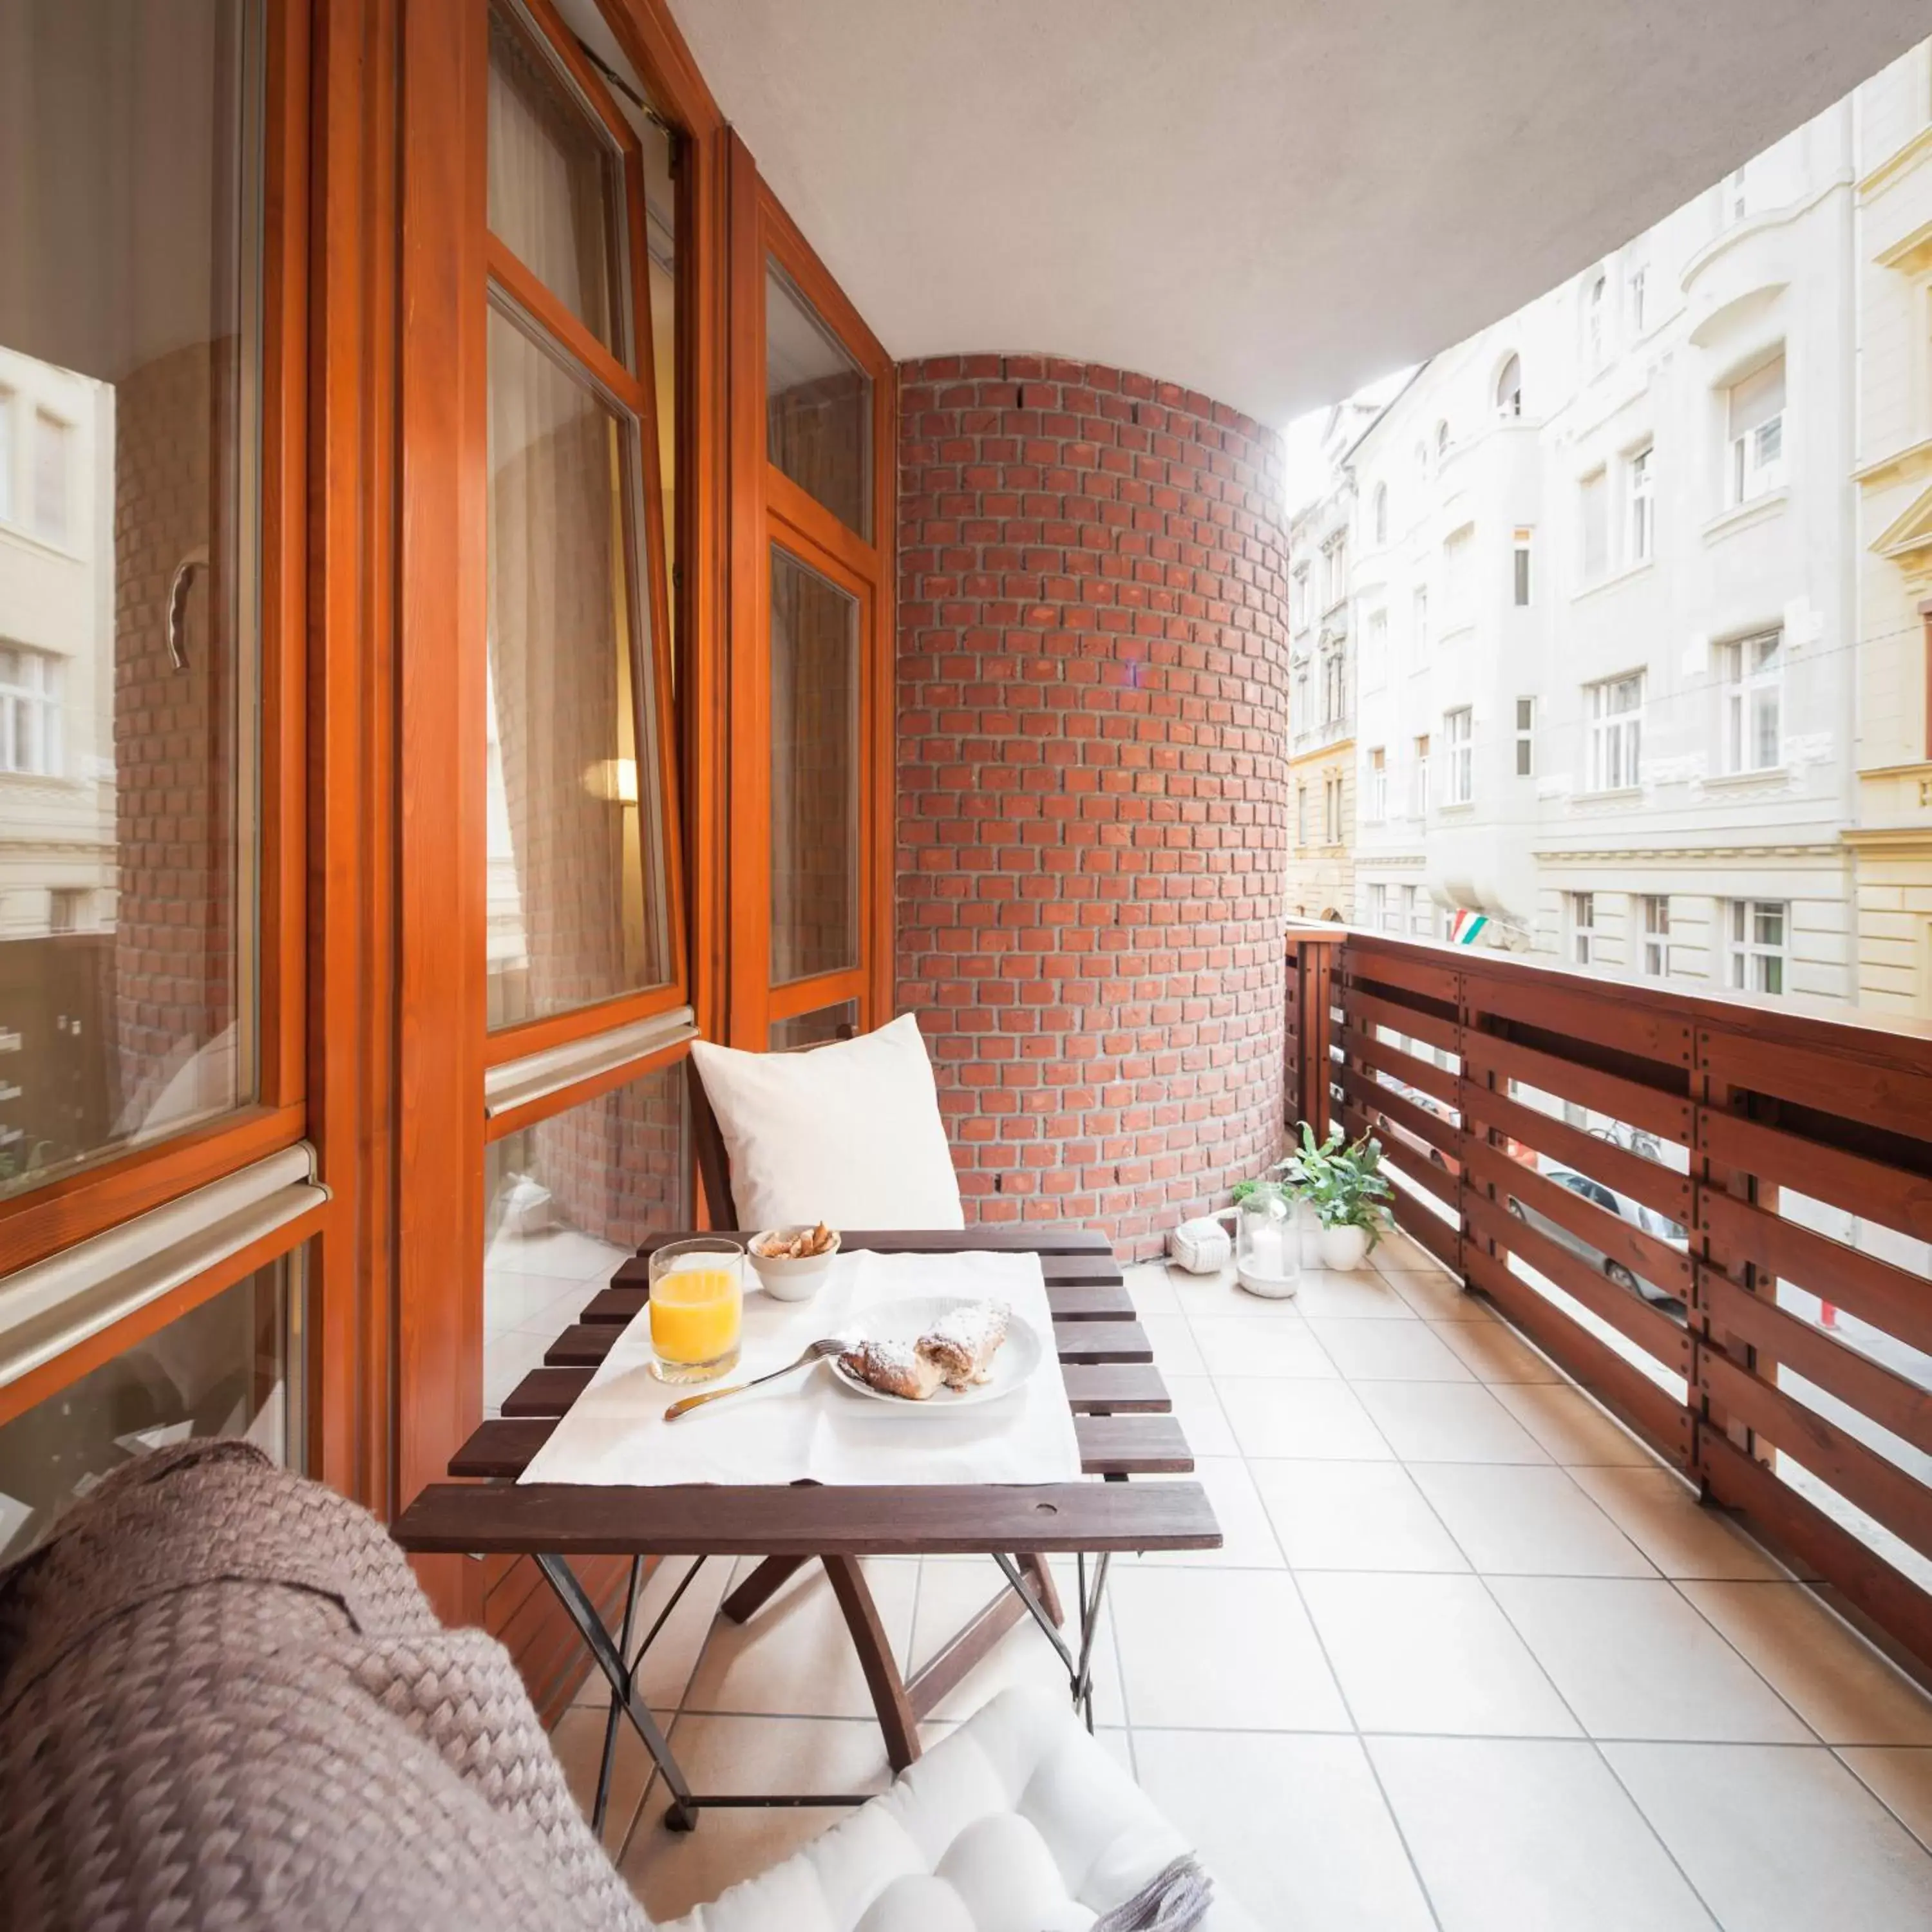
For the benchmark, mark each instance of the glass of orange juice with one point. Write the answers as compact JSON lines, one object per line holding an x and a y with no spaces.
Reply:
{"x":697,"y":1307}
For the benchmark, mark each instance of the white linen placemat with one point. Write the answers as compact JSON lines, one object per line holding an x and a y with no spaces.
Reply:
{"x":808,"y":1427}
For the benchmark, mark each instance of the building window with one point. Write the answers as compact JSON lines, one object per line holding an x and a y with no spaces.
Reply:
{"x":1593,"y":518}
{"x":1418,"y":779}
{"x":1381,"y":513}
{"x":1420,"y":621}
{"x":1755,"y":410}
{"x":1635,"y":288}
{"x":1378,"y":906}
{"x":1378,"y":785}
{"x":1594,"y":338}
{"x":1331,"y":809}
{"x":1509,"y":388}
{"x":1458,"y":578}
{"x":6,"y":456}
{"x":1408,"y":911}
{"x":1458,"y":727}
{"x":1615,"y":712}
{"x":1301,"y":815}
{"x":1520,"y":579}
{"x":1656,"y":935}
{"x":51,"y":438}
{"x":1334,"y":686}
{"x":67,"y":907}
{"x":1583,"y":929}
{"x":1299,"y":719}
{"x":1375,"y":650}
{"x":1334,"y":571}
{"x":1757,"y":941}
{"x":30,"y":719}
{"x":1752,"y":670}
{"x":1525,"y":737}
{"x":1640,"y":508}
{"x":1298,"y":599}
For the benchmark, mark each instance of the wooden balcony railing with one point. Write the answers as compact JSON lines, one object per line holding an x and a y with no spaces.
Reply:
{"x":1654,"y":1186}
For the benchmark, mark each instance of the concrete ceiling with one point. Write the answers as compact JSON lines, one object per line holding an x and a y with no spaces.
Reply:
{"x":1270,"y":200}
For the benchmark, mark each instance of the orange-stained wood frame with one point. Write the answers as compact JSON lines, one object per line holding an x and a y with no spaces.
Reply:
{"x":767,"y":508}
{"x":36,"y":1225}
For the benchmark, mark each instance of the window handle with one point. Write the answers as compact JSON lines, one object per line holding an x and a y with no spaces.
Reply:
{"x":178,"y":586}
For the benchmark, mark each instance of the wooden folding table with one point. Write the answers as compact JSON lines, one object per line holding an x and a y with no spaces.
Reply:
{"x":1122,"y":1420}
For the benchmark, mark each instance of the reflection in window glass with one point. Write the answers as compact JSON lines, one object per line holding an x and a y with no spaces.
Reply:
{"x":815,"y":760}
{"x":818,"y":406}
{"x":576,"y":889}
{"x":556,"y":194}
{"x":565,"y":1202}
{"x":233,"y":1366}
{"x":128,"y":574}
{"x":817,"y":1028}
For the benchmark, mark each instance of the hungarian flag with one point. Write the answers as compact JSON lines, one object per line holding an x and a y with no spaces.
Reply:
{"x":1464,"y":928}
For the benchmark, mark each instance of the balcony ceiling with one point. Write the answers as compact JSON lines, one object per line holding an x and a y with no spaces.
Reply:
{"x":1270,"y":200}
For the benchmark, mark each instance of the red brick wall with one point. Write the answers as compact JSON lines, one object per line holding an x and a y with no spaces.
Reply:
{"x":1092,"y":797}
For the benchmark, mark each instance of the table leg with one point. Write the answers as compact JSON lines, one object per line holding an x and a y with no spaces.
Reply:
{"x":896,"y":1717}
{"x":761,"y":1586}
{"x":609,"y":1757}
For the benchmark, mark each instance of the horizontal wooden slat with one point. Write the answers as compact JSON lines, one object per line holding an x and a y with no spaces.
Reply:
{"x":1430,"y":1129}
{"x":1889,"y":1297}
{"x":1382,"y":1056}
{"x":1849,"y":1181}
{"x":1040,"y":1238}
{"x":547,"y":1391}
{"x":1623,"y":1388}
{"x":1827,"y":1078}
{"x":1610,"y":1093}
{"x":1604,"y":1016}
{"x":1650,"y":1328}
{"x":1861,"y":1476}
{"x":1655,"y":1186}
{"x":1110,"y":1445}
{"x":585,"y":1344}
{"x":1403,"y":1158}
{"x":1443,"y":1239}
{"x":1792,"y":1521}
{"x":1891,"y":1400}
{"x":1413,"y":973}
{"x":1644,"y":1255}
{"x":808,"y":1520}
{"x":1370,"y":1009}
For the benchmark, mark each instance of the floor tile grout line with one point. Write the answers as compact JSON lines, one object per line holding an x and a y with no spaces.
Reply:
{"x":1838,"y":1751}
{"x":1664,"y":1844}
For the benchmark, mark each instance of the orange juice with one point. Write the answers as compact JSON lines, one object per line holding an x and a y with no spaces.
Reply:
{"x":695,"y":1317}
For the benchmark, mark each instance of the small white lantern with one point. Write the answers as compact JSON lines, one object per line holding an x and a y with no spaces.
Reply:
{"x":1268,"y":1246}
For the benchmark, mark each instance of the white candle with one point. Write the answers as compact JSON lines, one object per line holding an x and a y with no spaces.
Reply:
{"x":1264,"y":1251}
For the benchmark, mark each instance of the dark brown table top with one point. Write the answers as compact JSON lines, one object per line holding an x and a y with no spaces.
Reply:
{"x":1122,"y":1420}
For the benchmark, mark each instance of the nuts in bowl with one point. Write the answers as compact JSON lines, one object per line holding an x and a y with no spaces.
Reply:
{"x":791,"y":1262}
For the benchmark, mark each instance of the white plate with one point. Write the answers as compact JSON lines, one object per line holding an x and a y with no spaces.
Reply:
{"x":1020,"y":1355}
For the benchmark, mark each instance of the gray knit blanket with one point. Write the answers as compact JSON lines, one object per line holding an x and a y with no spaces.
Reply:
{"x":224,"y":1701}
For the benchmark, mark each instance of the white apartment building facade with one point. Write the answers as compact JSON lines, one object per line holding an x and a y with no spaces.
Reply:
{"x":1602,"y":598}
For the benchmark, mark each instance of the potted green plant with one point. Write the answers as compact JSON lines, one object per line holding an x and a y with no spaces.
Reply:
{"x":1342,"y":1180}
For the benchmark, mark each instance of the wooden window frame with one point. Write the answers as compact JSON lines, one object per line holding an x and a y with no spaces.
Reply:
{"x":107,"y":1193}
{"x":768,"y":507}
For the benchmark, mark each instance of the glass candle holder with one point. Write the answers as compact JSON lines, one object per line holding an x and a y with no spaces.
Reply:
{"x":697,"y":1308}
{"x":1268,"y":1248}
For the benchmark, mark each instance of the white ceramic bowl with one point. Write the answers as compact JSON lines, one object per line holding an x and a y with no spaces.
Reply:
{"x":786,"y":1279}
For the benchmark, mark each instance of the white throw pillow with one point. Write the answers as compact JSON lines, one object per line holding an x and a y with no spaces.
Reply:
{"x":848,"y":1134}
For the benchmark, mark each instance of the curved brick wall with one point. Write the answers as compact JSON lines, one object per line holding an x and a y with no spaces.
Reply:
{"x":1093,"y":714}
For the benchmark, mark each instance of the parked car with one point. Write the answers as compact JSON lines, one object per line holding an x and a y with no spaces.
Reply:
{"x":1403,"y":1137}
{"x":1634,"y":1213}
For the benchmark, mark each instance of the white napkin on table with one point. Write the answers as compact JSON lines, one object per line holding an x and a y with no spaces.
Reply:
{"x":808,"y":1427}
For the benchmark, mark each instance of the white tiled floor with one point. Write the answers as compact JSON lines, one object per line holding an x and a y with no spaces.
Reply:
{"x":1469,"y":1657}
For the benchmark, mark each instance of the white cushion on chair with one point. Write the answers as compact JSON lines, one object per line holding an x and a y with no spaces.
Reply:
{"x":849,"y":1134}
{"x":1018,"y":1821}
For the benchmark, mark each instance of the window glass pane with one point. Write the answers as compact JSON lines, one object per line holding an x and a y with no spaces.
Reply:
{"x":818,"y":406}
{"x":815,"y":1029}
{"x":577,"y":895}
{"x":232,"y":1366}
{"x":556,"y":194}
{"x":661,"y":252}
{"x":815,"y":761}
{"x":129,"y":373}
{"x":568,"y":1201}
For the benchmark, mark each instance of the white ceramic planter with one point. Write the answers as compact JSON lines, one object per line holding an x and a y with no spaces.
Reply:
{"x":1308,"y":1230}
{"x":1344,"y":1250}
